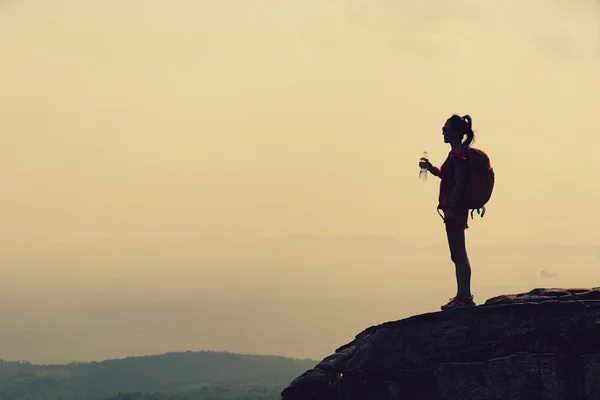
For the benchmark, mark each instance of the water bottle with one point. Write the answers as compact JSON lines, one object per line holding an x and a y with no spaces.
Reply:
{"x":423,"y":172}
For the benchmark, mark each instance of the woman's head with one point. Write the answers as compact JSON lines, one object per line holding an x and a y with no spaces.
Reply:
{"x":456,"y":128}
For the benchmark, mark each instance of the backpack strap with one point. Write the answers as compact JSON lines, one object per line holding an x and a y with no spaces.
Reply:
{"x":480,"y":211}
{"x":444,"y":220}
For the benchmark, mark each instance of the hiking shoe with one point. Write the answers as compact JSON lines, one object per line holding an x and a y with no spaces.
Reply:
{"x":459,"y":302}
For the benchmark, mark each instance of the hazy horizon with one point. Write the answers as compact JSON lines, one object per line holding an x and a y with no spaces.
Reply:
{"x":129,"y":129}
{"x":299,"y":296}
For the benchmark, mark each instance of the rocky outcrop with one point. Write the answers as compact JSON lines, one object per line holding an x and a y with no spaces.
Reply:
{"x":544,"y":344}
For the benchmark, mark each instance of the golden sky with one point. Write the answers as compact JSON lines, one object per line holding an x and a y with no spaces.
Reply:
{"x":163,"y":120}
{"x":254,"y":118}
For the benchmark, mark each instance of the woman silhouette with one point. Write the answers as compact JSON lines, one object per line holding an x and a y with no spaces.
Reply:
{"x":453,"y":174}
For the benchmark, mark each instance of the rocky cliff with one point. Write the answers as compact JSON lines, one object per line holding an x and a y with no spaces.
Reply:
{"x":544,"y":344}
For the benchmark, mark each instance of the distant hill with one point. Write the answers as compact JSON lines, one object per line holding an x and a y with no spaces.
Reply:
{"x":195,"y":372}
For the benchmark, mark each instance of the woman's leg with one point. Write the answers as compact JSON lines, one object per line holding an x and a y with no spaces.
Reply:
{"x":458,"y":254}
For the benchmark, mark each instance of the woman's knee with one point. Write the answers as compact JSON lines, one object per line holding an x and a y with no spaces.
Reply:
{"x":458,"y":250}
{"x":459,"y":257}
{"x":463,"y":260}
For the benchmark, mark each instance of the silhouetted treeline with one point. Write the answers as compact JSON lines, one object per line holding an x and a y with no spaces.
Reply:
{"x":213,"y":392}
{"x":173,"y":376}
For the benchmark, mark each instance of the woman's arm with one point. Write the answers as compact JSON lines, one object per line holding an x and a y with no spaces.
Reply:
{"x":435,"y":171}
{"x":460,"y":176}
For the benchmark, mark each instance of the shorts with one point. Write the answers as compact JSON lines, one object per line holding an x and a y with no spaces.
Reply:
{"x":460,"y":220}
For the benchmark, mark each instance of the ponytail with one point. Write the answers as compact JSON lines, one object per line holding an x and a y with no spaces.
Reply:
{"x":469,"y":131}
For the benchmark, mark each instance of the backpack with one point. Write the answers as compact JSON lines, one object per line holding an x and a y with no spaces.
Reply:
{"x":480,"y":181}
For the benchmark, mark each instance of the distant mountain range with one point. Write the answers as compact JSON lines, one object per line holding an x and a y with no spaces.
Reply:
{"x":170,"y":373}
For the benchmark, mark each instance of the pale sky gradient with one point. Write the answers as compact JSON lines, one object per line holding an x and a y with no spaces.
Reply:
{"x":166,"y":119}
{"x":163,"y":120}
